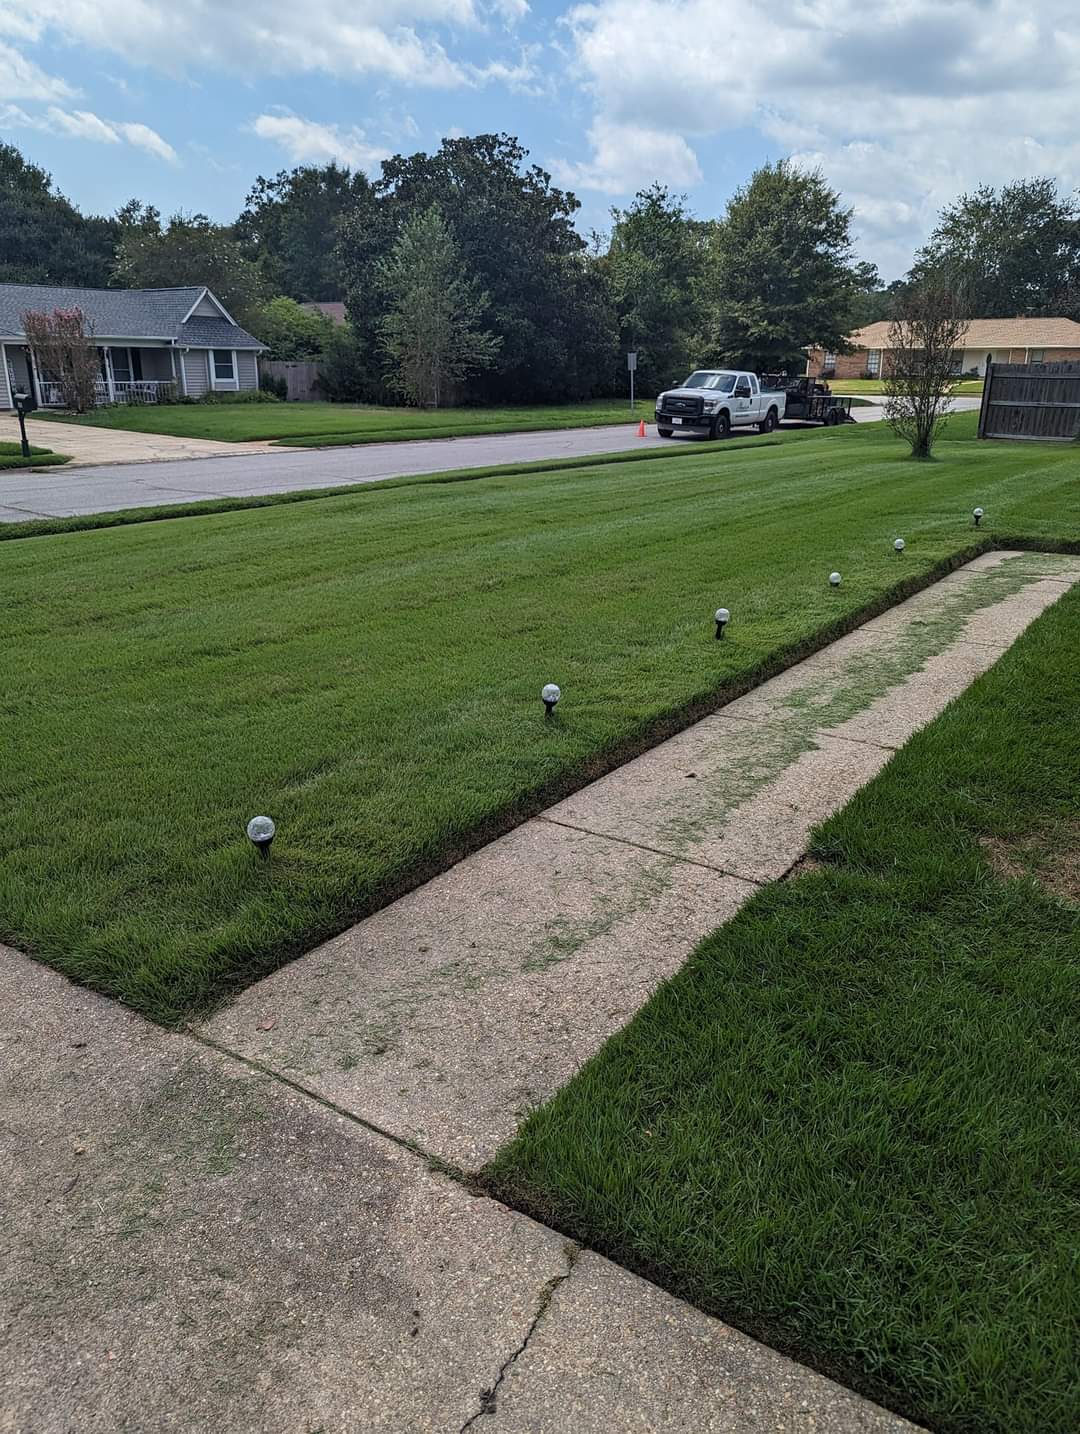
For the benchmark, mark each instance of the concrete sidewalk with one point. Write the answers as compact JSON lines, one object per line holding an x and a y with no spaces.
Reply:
{"x":85,"y":445}
{"x":442,"y":1018}
{"x":187,"y":1244}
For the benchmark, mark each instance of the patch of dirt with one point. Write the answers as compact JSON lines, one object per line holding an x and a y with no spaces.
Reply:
{"x":1050,"y":858}
{"x":803,"y":867}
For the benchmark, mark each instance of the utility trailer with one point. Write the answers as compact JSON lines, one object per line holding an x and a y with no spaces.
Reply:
{"x":809,"y":400}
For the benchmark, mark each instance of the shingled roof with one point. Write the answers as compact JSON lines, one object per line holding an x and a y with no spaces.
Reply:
{"x":992,"y":334}
{"x":125,"y":314}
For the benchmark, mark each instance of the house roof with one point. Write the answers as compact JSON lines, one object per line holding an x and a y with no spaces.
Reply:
{"x":126,"y":313}
{"x":991,"y":334}
{"x":331,"y":309}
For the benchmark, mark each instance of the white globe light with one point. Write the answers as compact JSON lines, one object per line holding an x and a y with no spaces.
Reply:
{"x":899,"y":545}
{"x":722,"y":615}
{"x":551,"y":694}
{"x":978,"y":512}
{"x":261,"y":830}
{"x":834,"y":579}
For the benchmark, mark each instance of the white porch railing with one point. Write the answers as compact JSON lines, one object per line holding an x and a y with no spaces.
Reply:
{"x":139,"y":390}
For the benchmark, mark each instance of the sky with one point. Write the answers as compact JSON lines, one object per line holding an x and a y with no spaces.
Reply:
{"x":902,"y":104}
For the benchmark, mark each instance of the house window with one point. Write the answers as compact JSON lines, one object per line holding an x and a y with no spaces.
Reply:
{"x":873,"y":361}
{"x":1038,"y":355}
{"x":126,"y":364}
{"x":224,"y":366}
{"x":830,"y":360}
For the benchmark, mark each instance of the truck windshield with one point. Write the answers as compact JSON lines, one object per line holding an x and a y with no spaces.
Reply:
{"x":722,"y":382}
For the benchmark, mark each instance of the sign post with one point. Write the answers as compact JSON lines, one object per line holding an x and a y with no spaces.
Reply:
{"x":631,"y":364}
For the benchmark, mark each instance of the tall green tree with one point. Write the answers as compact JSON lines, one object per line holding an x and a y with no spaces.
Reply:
{"x":784,"y":275}
{"x":516,"y":234}
{"x":290,"y":225}
{"x":655,"y":268}
{"x":1013,"y":251}
{"x":291,"y":331}
{"x":431,"y":333}
{"x":189,"y":249}
{"x":43,"y":237}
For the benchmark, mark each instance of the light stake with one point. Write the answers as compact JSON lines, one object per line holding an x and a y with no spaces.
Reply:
{"x":899,"y":545}
{"x":834,"y":579}
{"x":260,"y":832}
{"x":977,"y":514}
{"x":723,"y":617}
{"x":550,"y":696}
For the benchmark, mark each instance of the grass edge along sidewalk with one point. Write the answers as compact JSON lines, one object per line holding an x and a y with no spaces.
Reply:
{"x":11,"y":458}
{"x":845,"y":1125}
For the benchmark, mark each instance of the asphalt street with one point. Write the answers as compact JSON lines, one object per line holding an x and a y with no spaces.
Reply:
{"x":63,"y":492}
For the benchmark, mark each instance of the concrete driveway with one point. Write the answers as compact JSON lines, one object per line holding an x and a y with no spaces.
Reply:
{"x":243,"y":470}
{"x":111,"y":445}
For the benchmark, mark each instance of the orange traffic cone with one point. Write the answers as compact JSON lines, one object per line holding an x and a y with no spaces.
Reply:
{"x":641,"y":429}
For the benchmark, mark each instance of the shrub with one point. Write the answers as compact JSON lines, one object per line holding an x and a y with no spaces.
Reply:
{"x":249,"y":395}
{"x":273,"y":384}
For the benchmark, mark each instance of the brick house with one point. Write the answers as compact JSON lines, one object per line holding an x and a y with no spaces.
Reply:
{"x":985,"y":341}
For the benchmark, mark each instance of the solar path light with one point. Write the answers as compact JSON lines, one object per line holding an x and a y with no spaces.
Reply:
{"x":977,"y":514}
{"x":899,"y":545}
{"x":834,"y":580}
{"x":723,"y":617}
{"x":260,"y":832}
{"x":550,"y":695}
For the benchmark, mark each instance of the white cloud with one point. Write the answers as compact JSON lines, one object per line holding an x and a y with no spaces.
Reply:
{"x":83,"y":124}
{"x":276,"y":37}
{"x":21,"y":79}
{"x":903,"y":108}
{"x":308,"y":142}
{"x":143,"y":137}
{"x":626,"y":158}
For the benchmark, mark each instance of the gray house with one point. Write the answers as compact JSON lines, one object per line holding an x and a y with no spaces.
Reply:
{"x":154,"y":343}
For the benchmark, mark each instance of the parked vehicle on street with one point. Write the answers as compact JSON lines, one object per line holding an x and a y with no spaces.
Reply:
{"x":810,"y":401}
{"x":713,"y":401}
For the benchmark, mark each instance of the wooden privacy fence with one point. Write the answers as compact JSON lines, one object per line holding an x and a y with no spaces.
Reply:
{"x":300,"y":378}
{"x":1031,"y":400}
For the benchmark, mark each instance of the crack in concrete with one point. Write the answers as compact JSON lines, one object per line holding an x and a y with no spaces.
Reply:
{"x":652,"y":850}
{"x":489,"y":1397}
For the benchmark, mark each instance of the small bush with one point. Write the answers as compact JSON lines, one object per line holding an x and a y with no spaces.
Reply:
{"x":274,"y":384}
{"x":249,"y":395}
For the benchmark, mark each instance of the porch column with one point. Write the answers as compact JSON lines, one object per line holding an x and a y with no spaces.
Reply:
{"x":5,"y":391}
{"x":110,"y":382}
{"x":183,"y":374}
{"x":35,"y":377}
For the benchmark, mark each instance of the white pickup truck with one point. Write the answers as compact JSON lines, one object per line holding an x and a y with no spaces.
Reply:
{"x":713,"y":401}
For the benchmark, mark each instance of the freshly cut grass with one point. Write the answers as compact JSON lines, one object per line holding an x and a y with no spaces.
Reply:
{"x":849,"y":1124}
{"x":11,"y":456}
{"x":366,"y":670}
{"x":351,"y":423}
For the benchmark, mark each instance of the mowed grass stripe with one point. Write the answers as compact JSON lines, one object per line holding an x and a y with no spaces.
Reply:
{"x":368,"y":673}
{"x":849,"y":1124}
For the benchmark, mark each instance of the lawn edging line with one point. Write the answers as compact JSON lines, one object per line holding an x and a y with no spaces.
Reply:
{"x":209,"y":507}
{"x":532,"y":804}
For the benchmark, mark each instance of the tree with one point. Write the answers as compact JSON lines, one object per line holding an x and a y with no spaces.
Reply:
{"x":43,"y":237}
{"x":655,"y":269}
{"x":64,"y":353}
{"x":431,"y":332}
{"x":291,"y":331}
{"x":290,"y":224}
{"x":1016,"y":251}
{"x":515,"y":234}
{"x":921,"y":372}
{"x":784,"y":274}
{"x":190,"y":249}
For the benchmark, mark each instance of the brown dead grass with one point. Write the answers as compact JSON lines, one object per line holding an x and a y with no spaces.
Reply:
{"x":1052,"y":858}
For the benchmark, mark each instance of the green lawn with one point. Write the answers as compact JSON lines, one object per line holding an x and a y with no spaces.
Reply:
{"x":874,"y":385}
{"x":11,"y":457}
{"x":849,"y":1124}
{"x":348,"y":423}
{"x":366,"y":669}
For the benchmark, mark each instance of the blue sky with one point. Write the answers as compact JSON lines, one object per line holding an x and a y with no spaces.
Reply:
{"x":902,"y":104}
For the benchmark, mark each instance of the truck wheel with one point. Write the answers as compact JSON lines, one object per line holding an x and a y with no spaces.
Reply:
{"x":721,"y":426}
{"x":664,"y":432}
{"x":769,"y":422}
{"x":832,"y":418}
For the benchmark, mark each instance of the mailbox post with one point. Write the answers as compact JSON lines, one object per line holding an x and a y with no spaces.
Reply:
{"x":631,"y":365}
{"x":24,"y":404}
